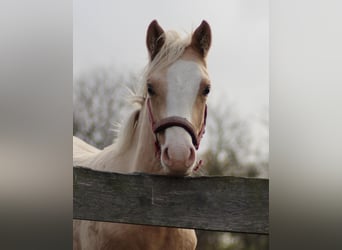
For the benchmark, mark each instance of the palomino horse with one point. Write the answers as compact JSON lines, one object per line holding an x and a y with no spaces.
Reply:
{"x":160,"y":137}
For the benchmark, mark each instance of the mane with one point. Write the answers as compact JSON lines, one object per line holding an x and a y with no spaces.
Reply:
{"x":170,"y":52}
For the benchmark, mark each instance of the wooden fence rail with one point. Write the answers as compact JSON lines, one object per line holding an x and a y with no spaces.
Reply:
{"x":224,"y":203}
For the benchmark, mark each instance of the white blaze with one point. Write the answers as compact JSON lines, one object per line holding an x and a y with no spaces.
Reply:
{"x":183,"y":79}
{"x":183,"y":82}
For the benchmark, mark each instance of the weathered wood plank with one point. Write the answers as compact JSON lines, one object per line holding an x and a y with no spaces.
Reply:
{"x":210,"y":203}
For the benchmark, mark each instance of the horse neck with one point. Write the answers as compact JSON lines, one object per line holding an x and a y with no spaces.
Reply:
{"x":138,"y":156}
{"x":143,"y":146}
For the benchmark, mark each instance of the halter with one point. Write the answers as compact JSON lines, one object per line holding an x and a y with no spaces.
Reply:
{"x":175,"y":121}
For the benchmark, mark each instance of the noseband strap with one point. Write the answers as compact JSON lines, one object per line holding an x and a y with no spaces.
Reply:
{"x":176,"y":121}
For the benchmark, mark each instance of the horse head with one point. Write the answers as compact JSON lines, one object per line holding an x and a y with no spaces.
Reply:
{"x":177,"y":86}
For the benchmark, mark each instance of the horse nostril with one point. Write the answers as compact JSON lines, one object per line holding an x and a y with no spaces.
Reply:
{"x":166,"y":154}
{"x":192,"y":156}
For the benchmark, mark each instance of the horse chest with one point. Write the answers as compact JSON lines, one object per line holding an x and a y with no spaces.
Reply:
{"x":134,"y":237}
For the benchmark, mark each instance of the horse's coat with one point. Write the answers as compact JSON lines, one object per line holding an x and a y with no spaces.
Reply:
{"x":176,"y":83}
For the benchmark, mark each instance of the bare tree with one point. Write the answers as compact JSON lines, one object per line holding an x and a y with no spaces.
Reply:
{"x":99,"y":103}
{"x":233,"y":149}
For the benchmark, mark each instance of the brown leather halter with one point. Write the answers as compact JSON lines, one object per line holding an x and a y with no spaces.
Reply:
{"x":175,"y":121}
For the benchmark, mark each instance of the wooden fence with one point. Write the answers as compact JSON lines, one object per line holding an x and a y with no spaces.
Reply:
{"x":223,"y":203}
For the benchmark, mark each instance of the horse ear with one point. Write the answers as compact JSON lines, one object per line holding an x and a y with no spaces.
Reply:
{"x":201,"y":39}
{"x":155,"y":39}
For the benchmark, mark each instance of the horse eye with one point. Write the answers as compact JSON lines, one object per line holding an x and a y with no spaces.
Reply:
{"x":206,"y":90}
{"x":150,"y":90}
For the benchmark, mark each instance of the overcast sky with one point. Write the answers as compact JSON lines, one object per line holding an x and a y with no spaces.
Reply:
{"x":112,"y":33}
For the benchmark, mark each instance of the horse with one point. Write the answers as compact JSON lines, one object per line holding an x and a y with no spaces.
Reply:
{"x":161,"y":136}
